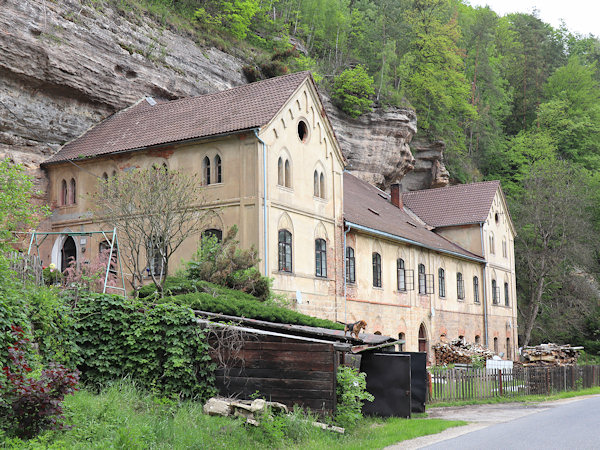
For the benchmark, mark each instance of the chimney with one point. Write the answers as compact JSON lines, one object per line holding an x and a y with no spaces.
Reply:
{"x":396,"y":195}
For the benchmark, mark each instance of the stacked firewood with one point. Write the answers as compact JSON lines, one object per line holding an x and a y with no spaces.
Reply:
{"x":550,"y":355}
{"x":457,"y":351}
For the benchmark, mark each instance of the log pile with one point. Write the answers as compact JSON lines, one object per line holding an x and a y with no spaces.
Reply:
{"x":550,"y":355}
{"x":458,"y":351}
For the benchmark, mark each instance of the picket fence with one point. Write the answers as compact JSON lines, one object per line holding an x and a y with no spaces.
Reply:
{"x":450,"y":384}
{"x":27,"y":267}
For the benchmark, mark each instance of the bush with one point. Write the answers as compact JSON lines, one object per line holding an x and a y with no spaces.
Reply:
{"x":351,"y":91}
{"x":226,"y":264}
{"x":351,"y":392}
{"x":161,"y":346}
{"x":224,"y":301}
{"x":30,"y":405}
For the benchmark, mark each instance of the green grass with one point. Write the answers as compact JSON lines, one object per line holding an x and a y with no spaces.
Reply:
{"x":526,"y":398}
{"x":123,"y":417}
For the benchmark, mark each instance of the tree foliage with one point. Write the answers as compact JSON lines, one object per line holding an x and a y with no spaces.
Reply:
{"x":352,"y":91}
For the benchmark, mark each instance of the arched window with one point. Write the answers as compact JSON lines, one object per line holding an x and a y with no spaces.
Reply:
{"x":495,"y":293}
{"x":476,"y":289}
{"x":401,"y":337}
{"x":218,"y":173}
{"x":104,"y":177}
{"x":285,"y":251}
{"x":280,"y":176}
{"x":316,"y":191}
{"x":321,"y":258}
{"x":492,"y":247}
{"x":506,"y":301}
{"x":376,"y":269}
{"x":422,"y":339}
{"x":64,"y":193}
{"x":114,"y":173}
{"x":401,"y":274}
{"x":504,"y":248}
{"x":350,"y":265}
{"x":322,"y":185}
{"x":72,"y":192}
{"x":442,"y":281}
{"x":508,"y":349}
{"x":460,"y":286}
{"x":422,"y":283}
{"x":213,"y":232}
{"x":288,"y":174}
{"x":477,"y":339}
{"x":206,"y":171}
{"x":496,"y":345}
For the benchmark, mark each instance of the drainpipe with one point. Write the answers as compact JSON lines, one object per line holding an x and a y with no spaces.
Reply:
{"x":344,"y":275}
{"x":485,"y":318}
{"x":266,"y":248}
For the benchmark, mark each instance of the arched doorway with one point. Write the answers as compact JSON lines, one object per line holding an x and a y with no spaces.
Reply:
{"x":68,"y":253}
{"x":422,"y":339}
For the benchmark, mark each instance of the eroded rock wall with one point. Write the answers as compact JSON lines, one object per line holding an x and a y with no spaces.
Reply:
{"x":66,"y":65}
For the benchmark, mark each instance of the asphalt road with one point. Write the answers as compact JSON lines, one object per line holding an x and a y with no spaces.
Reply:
{"x":566,"y":424}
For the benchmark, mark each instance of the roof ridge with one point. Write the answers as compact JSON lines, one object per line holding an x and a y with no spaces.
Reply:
{"x":451,"y":187}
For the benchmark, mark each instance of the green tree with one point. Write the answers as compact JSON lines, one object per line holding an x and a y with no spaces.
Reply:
{"x":18,"y":211}
{"x":352,"y":90}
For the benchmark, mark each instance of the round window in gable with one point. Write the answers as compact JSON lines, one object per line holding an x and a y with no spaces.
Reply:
{"x":302,"y":131}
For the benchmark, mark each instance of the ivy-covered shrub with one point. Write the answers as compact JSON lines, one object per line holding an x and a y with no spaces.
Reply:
{"x":225,"y":263}
{"x":352,"y":90}
{"x":160,"y":346}
{"x":351,"y":393}
{"x":216,"y":299}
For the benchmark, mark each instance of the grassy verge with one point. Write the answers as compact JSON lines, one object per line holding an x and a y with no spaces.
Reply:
{"x":527,"y":398}
{"x":122,"y":417}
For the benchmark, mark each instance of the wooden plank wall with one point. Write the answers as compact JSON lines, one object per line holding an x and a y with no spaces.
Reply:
{"x":283,"y":370}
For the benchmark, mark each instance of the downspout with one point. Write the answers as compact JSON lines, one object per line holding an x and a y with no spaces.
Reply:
{"x":344,"y":275}
{"x":265,"y":244}
{"x":484,"y":282}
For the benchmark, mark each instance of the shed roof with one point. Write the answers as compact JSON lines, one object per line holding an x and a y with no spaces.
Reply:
{"x":453,"y":205}
{"x":149,"y":123}
{"x":370,"y":207}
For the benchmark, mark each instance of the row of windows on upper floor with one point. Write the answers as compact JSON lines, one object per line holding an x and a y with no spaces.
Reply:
{"x":68,"y":192}
{"x":284,"y":177}
{"x":405,"y":279}
{"x":493,"y":246}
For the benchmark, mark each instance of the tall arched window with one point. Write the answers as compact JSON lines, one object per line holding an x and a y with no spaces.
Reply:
{"x":350,"y":265}
{"x":442,"y":282}
{"x":72,"y":192}
{"x":492,"y":246}
{"x":401,"y":274}
{"x":104,"y":177}
{"x":401,"y":337}
{"x":476,"y":289}
{"x":316,"y":191}
{"x":376,"y":269}
{"x":321,"y":258}
{"x":495,"y":299}
{"x":213,"y":233}
{"x":218,"y":173}
{"x":280,"y":176}
{"x":64,"y":193}
{"x":508,"y":349}
{"x":206,"y":171}
{"x":285,"y":251}
{"x":506,"y":301}
{"x":422,"y":283}
{"x":496,"y":345}
{"x":460,"y":286}
{"x":322,"y":185}
{"x":288,"y":174}
{"x":422,"y":339}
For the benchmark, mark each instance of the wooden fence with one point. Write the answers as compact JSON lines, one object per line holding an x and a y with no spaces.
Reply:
{"x":27,"y":267}
{"x":469,"y":383}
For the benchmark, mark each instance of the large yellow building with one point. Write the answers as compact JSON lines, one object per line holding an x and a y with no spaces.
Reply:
{"x":271,"y":164}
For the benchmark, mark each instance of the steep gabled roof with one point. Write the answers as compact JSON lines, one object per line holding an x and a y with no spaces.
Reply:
{"x":369,"y":207}
{"x":145,"y":124}
{"x":453,"y":205}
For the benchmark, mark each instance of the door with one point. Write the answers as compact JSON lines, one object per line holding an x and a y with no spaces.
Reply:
{"x":68,"y":253}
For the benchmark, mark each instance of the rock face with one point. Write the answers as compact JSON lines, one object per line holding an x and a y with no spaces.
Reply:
{"x":65,"y":66}
{"x":429,"y":170}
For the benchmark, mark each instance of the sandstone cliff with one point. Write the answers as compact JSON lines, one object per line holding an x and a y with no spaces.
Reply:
{"x":64,"y":66}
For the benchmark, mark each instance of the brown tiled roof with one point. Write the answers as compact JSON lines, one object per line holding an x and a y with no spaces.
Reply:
{"x":142,"y":125}
{"x":369,"y":207}
{"x":453,"y":205}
